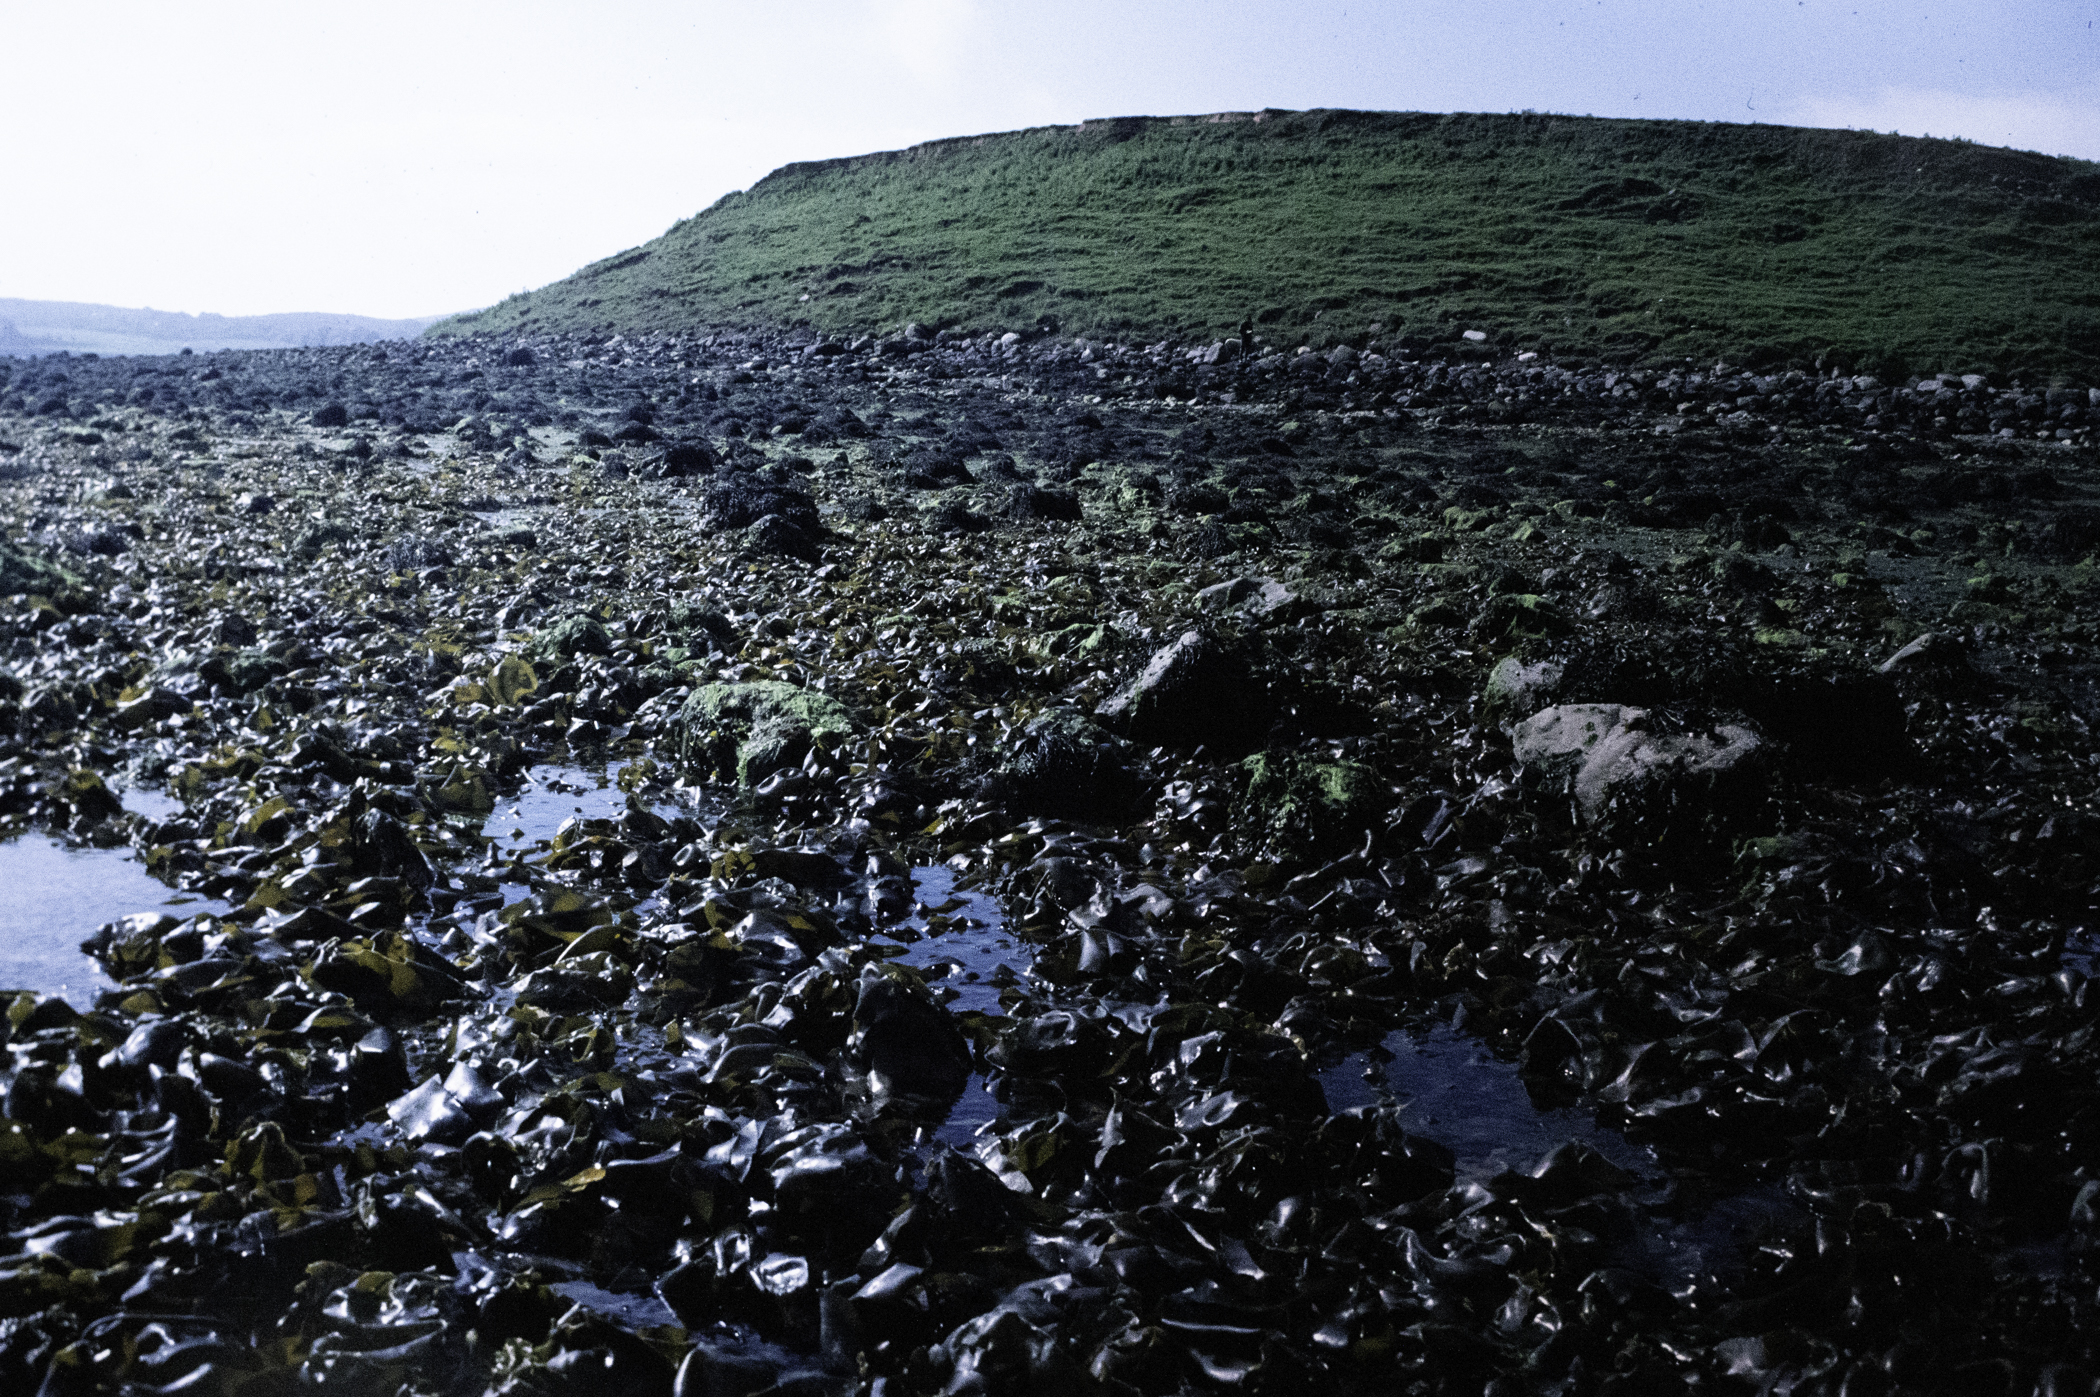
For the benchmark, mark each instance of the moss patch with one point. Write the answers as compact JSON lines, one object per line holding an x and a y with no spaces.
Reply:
{"x":757,"y":728}
{"x":1309,"y":808}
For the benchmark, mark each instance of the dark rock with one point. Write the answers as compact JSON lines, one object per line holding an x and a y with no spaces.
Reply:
{"x":1035,"y":502}
{"x":1063,"y":764}
{"x":739,"y":501}
{"x":1849,"y":727}
{"x":908,"y":1045}
{"x":776,"y":536}
{"x":1196,"y":691}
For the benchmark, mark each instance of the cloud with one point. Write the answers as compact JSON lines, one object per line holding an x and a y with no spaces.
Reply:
{"x":2055,"y":123}
{"x":927,"y":36}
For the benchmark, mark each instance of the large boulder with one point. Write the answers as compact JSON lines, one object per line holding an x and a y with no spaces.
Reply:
{"x":776,"y":520}
{"x":571,"y":636}
{"x":758,"y":728}
{"x":1194,"y":692}
{"x":1611,"y":757}
{"x":1516,"y":687}
{"x":1843,"y":727}
{"x":738,"y":501}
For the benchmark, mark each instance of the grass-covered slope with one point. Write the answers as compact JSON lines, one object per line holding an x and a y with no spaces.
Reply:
{"x":1571,"y":235}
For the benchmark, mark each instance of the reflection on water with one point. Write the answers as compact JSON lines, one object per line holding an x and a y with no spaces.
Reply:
{"x":1458,"y":1093}
{"x":554,"y":792}
{"x":638,"y":1311}
{"x":57,"y":897}
{"x":963,"y":940}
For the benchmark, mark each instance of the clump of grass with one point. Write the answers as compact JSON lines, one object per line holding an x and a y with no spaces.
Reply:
{"x":1575,"y":236}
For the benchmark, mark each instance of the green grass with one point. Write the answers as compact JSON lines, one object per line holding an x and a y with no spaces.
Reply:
{"x":1622,"y":240}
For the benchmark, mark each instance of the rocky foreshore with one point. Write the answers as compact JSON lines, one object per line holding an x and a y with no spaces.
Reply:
{"x":1708,"y":750}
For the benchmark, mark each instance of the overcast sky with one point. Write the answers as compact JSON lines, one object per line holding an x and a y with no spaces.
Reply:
{"x":400,"y":159}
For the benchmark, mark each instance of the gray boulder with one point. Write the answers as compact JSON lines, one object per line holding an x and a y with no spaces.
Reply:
{"x":1606,"y":755}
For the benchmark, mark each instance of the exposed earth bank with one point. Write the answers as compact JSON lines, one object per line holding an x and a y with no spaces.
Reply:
{"x":1714,"y":748}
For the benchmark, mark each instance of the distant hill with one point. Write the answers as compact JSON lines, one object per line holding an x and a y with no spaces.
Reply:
{"x":46,"y":327}
{"x":1572,"y":235}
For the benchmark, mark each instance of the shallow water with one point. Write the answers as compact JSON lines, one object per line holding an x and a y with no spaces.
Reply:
{"x":554,"y":792}
{"x":58,"y":896}
{"x":638,"y":1311}
{"x":1456,"y":1092}
{"x":973,"y":945}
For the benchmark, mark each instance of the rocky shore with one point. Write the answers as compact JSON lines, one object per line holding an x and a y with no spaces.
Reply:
{"x":1707,"y":750}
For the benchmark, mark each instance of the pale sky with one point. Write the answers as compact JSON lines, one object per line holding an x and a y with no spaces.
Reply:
{"x":397,"y":159}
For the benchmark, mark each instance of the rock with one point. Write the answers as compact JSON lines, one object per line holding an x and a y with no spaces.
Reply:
{"x":1516,"y":687}
{"x":572,"y":636}
{"x":908,"y":1045}
{"x":1035,"y":502}
{"x":22,"y":571}
{"x":1223,"y":596}
{"x":1223,"y":352}
{"x":331,"y":415}
{"x":520,"y":358}
{"x":1605,"y":753}
{"x":315,"y":537}
{"x":1193,"y":692}
{"x":757,"y":728}
{"x":776,"y":536}
{"x":1308,"y":808}
{"x":1934,"y":657}
{"x":678,"y":460}
{"x":1844,"y":726}
{"x":1514,"y":615}
{"x":739,"y":501}
{"x":1063,"y":765}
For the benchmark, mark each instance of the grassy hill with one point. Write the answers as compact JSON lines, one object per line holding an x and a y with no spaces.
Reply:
{"x":1572,"y":235}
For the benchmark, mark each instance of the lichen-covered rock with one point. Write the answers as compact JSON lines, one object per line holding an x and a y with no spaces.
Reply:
{"x":22,"y":571}
{"x":757,"y":728}
{"x":1516,"y":687}
{"x":572,"y":636}
{"x":1063,"y":764}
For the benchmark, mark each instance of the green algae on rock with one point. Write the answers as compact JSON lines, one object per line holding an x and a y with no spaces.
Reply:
{"x":1306,"y":806}
{"x":760,"y":727}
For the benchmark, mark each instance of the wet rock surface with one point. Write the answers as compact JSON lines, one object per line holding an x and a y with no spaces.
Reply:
{"x":1169,"y":760}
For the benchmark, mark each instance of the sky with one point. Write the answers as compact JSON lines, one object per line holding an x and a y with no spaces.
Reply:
{"x":399,"y":159}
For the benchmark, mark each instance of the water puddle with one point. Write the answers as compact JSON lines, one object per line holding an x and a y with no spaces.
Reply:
{"x":964,"y":941}
{"x":634,"y":1311}
{"x":552,"y":793}
{"x":1452,"y":1087}
{"x":58,"y":896}
{"x":1460,"y":1094}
